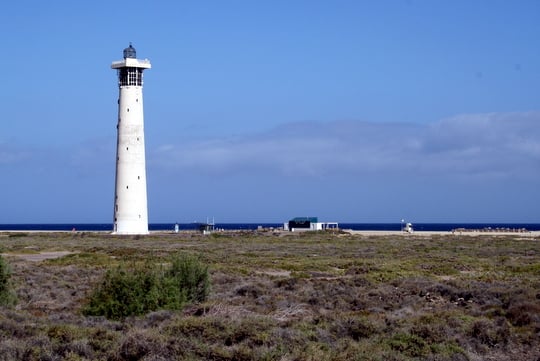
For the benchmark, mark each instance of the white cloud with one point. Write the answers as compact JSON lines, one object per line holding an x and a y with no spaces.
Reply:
{"x":469,"y":144}
{"x":496,"y":143}
{"x":356,"y":169}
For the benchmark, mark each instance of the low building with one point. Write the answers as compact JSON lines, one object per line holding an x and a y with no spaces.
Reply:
{"x":308,"y":224}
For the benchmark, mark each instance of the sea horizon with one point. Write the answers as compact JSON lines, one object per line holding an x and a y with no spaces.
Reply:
{"x":358,"y":226}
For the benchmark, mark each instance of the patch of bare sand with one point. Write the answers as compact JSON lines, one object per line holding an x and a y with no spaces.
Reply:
{"x":38,"y":257}
{"x":531,"y":234}
{"x":275,"y":273}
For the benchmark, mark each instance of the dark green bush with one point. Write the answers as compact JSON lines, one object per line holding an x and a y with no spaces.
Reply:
{"x":138,"y":290}
{"x":190,"y":276}
{"x":7,"y":296}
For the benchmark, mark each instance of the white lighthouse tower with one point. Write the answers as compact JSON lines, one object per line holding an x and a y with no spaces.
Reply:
{"x":130,"y":208}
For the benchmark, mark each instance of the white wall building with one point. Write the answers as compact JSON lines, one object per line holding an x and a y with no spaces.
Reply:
{"x":309,"y":224}
{"x":130,"y":203}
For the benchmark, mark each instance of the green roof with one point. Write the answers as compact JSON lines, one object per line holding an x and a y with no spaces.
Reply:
{"x":305,"y":219}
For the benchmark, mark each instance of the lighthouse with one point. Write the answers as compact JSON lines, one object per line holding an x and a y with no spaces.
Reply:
{"x":130,"y":205}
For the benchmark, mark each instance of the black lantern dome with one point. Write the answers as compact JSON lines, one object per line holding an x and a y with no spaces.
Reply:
{"x":130,"y":52}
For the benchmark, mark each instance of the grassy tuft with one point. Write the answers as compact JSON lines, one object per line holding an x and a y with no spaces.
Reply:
{"x":7,"y":296}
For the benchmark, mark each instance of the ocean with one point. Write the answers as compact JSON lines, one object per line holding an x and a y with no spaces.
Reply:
{"x":434,"y":227}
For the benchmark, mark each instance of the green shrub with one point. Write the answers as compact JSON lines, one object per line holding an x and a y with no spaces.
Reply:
{"x":189,"y":275}
{"x":7,"y":296}
{"x":123,"y":293}
{"x":136,"y":291}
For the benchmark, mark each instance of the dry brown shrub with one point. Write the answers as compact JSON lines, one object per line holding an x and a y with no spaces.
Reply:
{"x":453,"y":357}
{"x":287,"y":284}
{"x":524,"y":313}
{"x":432,"y":329}
{"x":38,"y":348}
{"x":75,"y":350}
{"x":250,"y":290}
{"x":11,"y":349}
{"x":138,"y":345}
{"x":355,"y":328}
{"x":490,"y":333}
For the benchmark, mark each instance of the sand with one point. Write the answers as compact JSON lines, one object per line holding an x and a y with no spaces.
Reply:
{"x":38,"y":257}
{"x":445,"y":233}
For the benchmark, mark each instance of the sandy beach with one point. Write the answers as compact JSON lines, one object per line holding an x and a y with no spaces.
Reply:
{"x":445,"y":233}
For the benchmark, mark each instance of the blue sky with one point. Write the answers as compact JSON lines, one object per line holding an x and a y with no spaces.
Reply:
{"x":260,"y":111}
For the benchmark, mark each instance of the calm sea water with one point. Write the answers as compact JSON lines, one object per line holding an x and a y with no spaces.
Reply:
{"x":251,"y":226}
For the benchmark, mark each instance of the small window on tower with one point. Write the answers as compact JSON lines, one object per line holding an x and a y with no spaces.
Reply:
{"x":128,"y":110}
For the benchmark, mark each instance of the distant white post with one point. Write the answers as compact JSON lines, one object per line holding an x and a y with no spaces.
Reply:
{"x":130,"y":203}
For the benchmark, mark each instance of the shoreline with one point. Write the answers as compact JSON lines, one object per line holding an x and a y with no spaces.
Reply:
{"x":349,"y":231}
{"x":445,"y":233}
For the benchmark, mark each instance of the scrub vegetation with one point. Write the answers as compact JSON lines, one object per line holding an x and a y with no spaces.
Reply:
{"x":268,"y":295}
{"x":137,"y":290}
{"x":7,"y":296}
